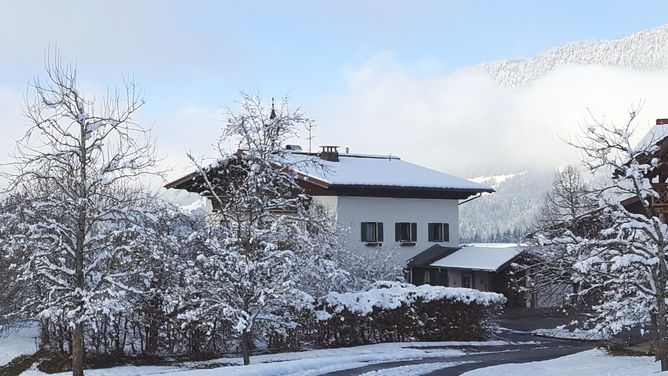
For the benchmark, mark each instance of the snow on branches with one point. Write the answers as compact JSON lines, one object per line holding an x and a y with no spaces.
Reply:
{"x":620,"y":268}
{"x":76,"y":170}
{"x":266,"y":238}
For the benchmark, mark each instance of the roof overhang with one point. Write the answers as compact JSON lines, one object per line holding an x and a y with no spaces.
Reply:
{"x":480,"y":258}
{"x":317,"y":187}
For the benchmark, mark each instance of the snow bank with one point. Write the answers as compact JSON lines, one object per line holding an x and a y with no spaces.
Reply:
{"x":592,"y":362}
{"x":577,"y":334}
{"x":392,"y":295}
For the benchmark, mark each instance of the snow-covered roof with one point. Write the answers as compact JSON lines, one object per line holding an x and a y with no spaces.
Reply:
{"x":482,"y":256}
{"x":655,"y":134}
{"x":387,"y":171}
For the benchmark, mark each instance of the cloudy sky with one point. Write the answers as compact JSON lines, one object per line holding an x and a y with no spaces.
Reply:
{"x":377,"y":76}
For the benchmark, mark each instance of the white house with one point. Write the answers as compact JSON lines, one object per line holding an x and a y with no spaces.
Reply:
{"x":391,"y":204}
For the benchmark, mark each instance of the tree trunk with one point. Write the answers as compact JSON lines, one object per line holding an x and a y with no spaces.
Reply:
{"x":153,"y":315}
{"x":245,"y":346}
{"x":77,"y":351}
{"x":662,"y":329}
{"x":661,"y":310}
{"x":79,"y":278}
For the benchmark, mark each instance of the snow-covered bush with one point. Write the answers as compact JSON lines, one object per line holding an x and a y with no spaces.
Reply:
{"x":391,"y":311}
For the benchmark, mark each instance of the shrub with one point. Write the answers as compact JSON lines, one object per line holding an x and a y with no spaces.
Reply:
{"x":390,"y":312}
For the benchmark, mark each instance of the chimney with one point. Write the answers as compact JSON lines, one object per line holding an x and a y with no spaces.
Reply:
{"x":661,"y":121}
{"x":329,"y":153}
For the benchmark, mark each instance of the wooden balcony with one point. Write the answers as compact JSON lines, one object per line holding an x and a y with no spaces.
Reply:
{"x":662,"y":201}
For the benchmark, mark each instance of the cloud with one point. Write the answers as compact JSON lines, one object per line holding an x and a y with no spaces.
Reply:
{"x":122,"y":35}
{"x":12,"y":122}
{"x":465,"y":123}
{"x":189,"y":129}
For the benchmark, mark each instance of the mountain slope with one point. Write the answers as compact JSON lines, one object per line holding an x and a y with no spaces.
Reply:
{"x":506,"y":214}
{"x":643,"y":51}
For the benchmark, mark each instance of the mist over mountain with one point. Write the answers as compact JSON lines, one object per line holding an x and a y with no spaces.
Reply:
{"x":507,"y":214}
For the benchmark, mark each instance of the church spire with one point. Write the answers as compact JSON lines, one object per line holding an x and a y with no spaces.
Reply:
{"x":272,"y":116}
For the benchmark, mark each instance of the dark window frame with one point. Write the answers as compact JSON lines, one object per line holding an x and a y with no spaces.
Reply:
{"x":376,"y":233}
{"x":472,"y":280}
{"x":438,"y":232}
{"x":409,"y":228}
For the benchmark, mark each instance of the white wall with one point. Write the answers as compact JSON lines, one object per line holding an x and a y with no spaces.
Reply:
{"x":352,"y":211}
{"x":328,"y":202}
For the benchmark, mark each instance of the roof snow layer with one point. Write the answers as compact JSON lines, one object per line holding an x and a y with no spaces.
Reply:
{"x":486,"y":257}
{"x":655,"y":134}
{"x":387,"y":171}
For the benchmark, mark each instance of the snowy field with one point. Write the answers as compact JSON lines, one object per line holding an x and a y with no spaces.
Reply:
{"x":16,"y":342}
{"x":314,"y":362}
{"x":591,"y":362}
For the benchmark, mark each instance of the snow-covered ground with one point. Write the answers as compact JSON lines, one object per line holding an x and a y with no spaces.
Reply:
{"x":16,"y":342}
{"x":563,"y":333}
{"x":591,"y":362}
{"x":313,"y":362}
{"x":413,"y":369}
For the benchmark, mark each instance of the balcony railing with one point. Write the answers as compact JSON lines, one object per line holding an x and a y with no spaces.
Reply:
{"x":662,"y":200}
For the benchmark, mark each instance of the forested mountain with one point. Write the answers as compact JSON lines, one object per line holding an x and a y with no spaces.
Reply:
{"x":508,"y":213}
{"x":505,"y":215}
{"x":643,"y":51}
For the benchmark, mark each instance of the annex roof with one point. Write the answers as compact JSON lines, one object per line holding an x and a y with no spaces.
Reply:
{"x":490,"y":257}
{"x":431,"y":254}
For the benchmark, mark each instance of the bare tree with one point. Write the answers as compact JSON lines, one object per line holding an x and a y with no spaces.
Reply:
{"x":78,"y":168}
{"x":545,"y":271}
{"x":568,"y":199}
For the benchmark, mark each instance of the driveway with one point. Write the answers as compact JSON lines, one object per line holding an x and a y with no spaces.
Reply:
{"x":525,"y":348}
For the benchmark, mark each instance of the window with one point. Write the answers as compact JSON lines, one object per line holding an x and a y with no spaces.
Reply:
{"x":405,"y":232}
{"x":427,"y":277}
{"x":439,"y":232}
{"x":467,"y":280}
{"x":372,"y":232}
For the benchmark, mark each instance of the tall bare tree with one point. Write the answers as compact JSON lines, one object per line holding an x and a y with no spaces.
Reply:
{"x":546,"y":269}
{"x":77,"y":168}
{"x":569,"y":198}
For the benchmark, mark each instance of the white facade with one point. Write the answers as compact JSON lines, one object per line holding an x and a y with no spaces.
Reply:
{"x":351,"y":211}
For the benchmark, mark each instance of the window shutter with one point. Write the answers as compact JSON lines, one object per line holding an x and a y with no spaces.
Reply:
{"x":430,"y":230}
{"x":380,"y":231}
{"x":363,"y":233}
{"x":413,"y":232}
{"x":446,"y":232}
{"x":397,"y":232}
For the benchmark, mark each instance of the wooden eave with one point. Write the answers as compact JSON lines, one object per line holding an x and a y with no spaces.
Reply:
{"x":394,"y":191}
{"x":317,"y":187}
{"x":181,"y":182}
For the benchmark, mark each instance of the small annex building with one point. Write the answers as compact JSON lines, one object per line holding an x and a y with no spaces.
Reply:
{"x":482,"y":266}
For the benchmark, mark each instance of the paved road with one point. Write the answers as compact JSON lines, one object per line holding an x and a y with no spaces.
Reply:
{"x":542,"y":349}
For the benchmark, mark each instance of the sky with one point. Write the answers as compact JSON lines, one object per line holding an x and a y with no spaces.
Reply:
{"x":377,"y":76}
